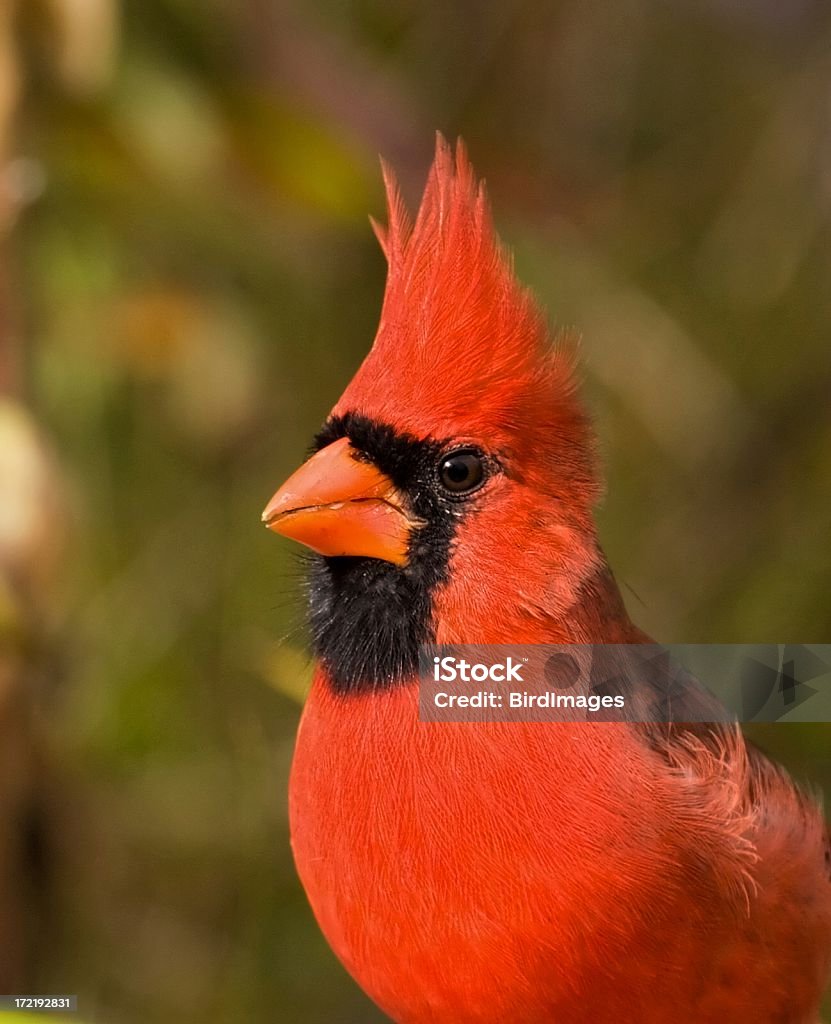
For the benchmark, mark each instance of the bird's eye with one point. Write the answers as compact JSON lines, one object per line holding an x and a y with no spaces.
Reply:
{"x":462,"y":471}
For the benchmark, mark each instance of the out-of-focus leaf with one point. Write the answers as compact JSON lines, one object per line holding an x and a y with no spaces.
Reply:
{"x":86,"y":34}
{"x":202,"y":351}
{"x":32,"y":522}
{"x":289,"y":671}
{"x":171,"y":122}
{"x":150,"y":328}
{"x":299,"y":157}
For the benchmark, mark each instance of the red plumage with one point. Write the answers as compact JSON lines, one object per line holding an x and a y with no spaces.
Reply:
{"x":520,"y":873}
{"x":462,"y":349}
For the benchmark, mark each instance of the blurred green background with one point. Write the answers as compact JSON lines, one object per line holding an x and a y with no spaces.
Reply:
{"x":187,"y":281}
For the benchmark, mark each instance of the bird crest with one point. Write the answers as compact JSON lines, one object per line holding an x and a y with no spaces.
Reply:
{"x":461,"y":346}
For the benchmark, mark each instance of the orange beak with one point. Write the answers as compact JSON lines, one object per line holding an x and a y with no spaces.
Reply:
{"x":338,"y":503}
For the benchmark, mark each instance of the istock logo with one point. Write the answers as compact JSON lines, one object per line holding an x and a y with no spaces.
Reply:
{"x":683,"y":683}
{"x":450,"y":669}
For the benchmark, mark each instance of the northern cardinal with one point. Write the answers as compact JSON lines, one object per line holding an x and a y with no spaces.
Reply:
{"x":512,"y":873}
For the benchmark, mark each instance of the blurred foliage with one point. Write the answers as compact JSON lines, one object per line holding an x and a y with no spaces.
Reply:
{"x":27,"y":1017}
{"x":196,"y":281}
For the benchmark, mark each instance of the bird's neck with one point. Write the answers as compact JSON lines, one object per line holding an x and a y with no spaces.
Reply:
{"x":598,"y":615}
{"x":537,"y":606}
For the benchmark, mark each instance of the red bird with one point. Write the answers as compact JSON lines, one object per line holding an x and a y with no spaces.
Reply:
{"x":513,"y":873}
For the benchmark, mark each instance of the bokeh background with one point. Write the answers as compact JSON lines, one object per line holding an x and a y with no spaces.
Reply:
{"x":187,"y":281}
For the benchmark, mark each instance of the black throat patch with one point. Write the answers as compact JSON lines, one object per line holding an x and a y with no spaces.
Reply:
{"x":367,"y":617}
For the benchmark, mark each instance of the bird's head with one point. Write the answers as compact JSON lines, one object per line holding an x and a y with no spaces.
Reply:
{"x":450,"y":495}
